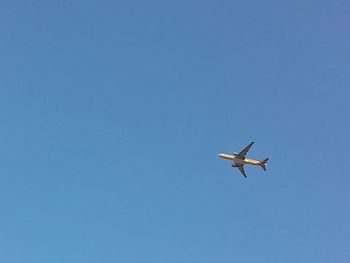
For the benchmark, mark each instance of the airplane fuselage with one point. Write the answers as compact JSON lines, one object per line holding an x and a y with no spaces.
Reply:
{"x":233,"y":157}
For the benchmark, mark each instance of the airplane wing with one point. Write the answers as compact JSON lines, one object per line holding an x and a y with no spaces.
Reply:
{"x":241,"y":168}
{"x":244,"y":152}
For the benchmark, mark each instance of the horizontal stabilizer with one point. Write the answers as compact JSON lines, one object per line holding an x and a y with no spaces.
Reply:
{"x":264,"y":161}
{"x":263,"y":164}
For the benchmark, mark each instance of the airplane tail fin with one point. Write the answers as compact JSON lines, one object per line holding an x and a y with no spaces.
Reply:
{"x":263,"y":164}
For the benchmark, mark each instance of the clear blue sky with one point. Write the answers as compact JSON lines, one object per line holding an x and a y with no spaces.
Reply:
{"x":112,"y":114}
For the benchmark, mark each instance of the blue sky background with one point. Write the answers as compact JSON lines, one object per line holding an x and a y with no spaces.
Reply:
{"x":113,"y":113}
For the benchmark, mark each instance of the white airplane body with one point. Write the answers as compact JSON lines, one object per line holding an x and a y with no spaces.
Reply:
{"x":239,"y":159}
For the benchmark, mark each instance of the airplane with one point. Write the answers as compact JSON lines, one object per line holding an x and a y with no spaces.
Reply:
{"x":239,"y":159}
